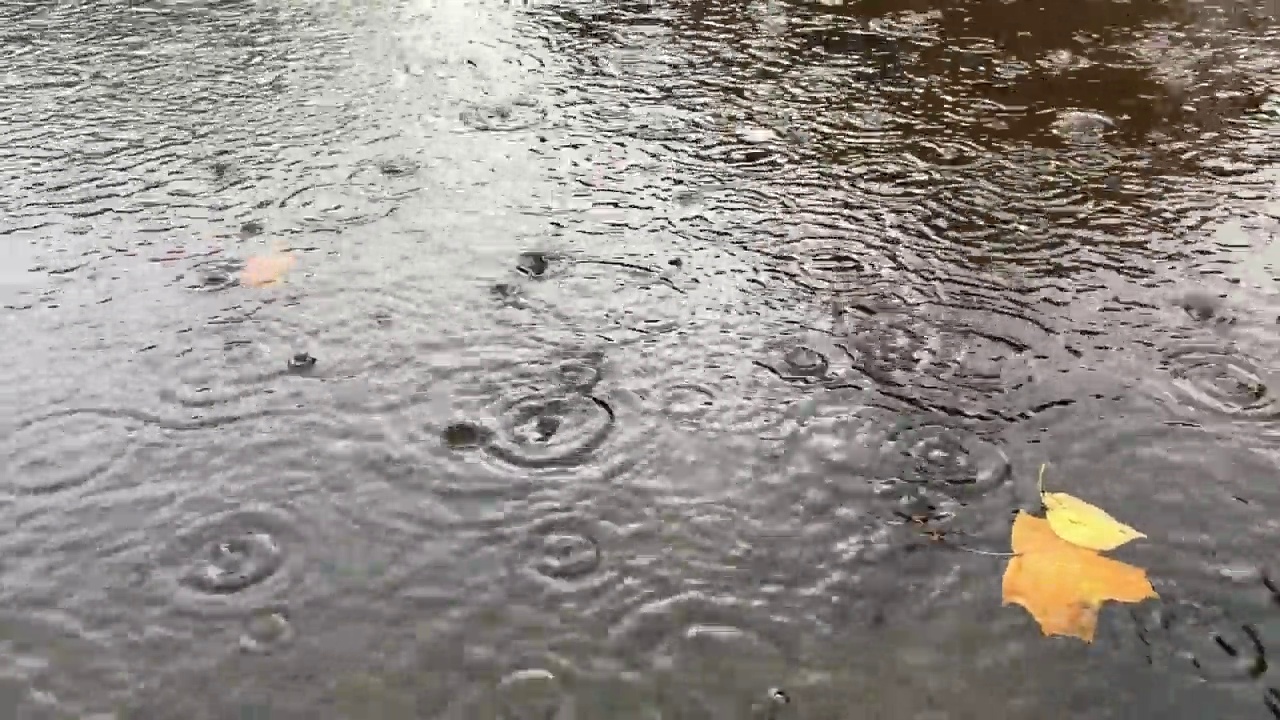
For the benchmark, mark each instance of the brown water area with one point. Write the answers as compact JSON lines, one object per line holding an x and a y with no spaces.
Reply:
{"x":478,"y":360}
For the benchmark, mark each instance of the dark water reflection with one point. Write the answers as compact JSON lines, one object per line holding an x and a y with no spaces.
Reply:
{"x":623,"y":342}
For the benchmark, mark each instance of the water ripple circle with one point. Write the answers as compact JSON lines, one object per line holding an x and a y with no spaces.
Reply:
{"x":682,"y":636}
{"x":1208,"y":377}
{"x":266,"y":632}
{"x":386,"y":171}
{"x":804,"y":360}
{"x":236,"y":563}
{"x":580,"y":375}
{"x":517,"y":114}
{"x":551,"y":430}
{"x":569,"y":556}
{"x":232,"y":562}
{"x":530,"y":694}
{"x":332,"y":207}
{"x":888,"y":352}
{"x":564,"y":548}
{"x":686,"y":403}
{"x":62,"y":451}
{"x":948,"y":457}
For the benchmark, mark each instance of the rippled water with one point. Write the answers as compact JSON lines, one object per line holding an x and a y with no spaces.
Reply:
{"x":619,"y":344}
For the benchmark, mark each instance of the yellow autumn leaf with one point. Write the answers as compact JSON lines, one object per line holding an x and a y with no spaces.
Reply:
{"x":1086,"y":525}
{"x":1063,"y":585}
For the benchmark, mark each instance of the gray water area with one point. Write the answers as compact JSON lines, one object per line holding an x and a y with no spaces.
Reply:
{"x":644,"y":344}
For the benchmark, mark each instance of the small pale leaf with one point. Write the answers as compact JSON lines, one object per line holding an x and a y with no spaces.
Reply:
{"x":1088,"y":526}
{"x":1078,"y":522}
{"x":264,"y":270}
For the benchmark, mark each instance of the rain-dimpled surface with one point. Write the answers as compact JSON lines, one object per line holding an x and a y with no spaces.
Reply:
{"x":621,"y":352}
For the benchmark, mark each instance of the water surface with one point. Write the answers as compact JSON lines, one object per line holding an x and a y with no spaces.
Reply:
{"x":622,"y":344}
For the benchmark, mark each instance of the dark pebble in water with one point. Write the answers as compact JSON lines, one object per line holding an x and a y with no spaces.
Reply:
{"x":251,"y":228}
{"x":464,"y":435}
{"x":806,"y":361}
{"x":533,"y":264}
{"x":236,"y":564}
{"x":301,"y":361}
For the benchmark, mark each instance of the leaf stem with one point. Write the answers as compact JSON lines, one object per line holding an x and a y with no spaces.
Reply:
{"x":988,"y":553}
{"x":975,"y":551}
